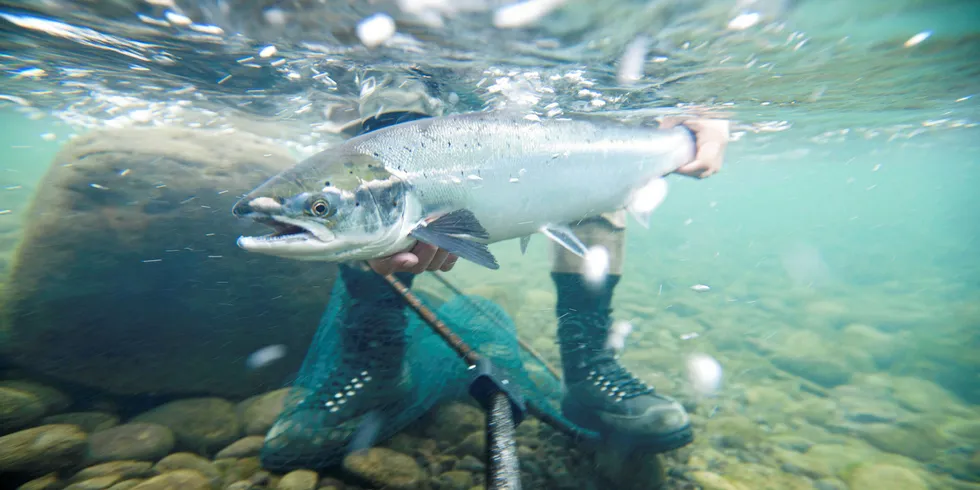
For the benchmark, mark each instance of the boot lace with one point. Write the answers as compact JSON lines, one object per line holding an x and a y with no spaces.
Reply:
{"x":608,"y":373}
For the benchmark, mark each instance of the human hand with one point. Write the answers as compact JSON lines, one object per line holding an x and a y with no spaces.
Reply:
{"x":711,"y":138}
{"x":423,"y":257}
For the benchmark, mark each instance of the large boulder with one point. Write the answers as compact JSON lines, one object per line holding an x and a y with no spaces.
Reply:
{"x":128,"y":278}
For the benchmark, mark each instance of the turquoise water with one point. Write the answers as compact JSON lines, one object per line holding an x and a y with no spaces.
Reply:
{"x":838,"y":242}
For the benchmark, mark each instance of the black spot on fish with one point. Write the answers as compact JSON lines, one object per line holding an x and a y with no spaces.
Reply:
{"x":357,"y":203}
{"x":376,"y":155}
{"x":326,"y":184}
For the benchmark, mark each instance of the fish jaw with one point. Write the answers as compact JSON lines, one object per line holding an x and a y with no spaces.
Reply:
{"x":293,"y":238}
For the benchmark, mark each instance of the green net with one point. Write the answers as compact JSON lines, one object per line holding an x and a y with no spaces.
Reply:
{"x":374,"y":367}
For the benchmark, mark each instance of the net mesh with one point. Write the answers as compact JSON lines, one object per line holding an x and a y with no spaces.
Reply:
{"x":374,"y":367}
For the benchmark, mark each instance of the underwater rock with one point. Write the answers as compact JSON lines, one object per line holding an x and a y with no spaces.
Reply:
{"x":18,"y":409}
{"x":240,"y":485}
{"x":974,"y":466}
{"x":188,"y":461}
{"x":792,"y":442}
{"x":383,"y":467}
{"x":876,"y":476}
{"x":40,"y":449}
{"x":454,"y":480}
{"x":125,"y":469}
{"x":829,"y":484}
{"x":475,"y":444}
{"x":260,"y":478}
{"x":46,"y":482}
{"x":97,"y":483}
{"x":920,"y":395}
{"x":203,"y":425}
{"x":131,"y":441}
{"x":259,"y":412}
{"x":858,"y":406}
{"x":882,"y":347}
{"x":452,"y":422}
{"x":471,"y":464}
{"x":734,"y":431}
{"x":53,"y":399}
{"x":298,"y":480}
{"x":242,"y":448}
{"x":176,"y":480}
{"x":803,"y":464}
{"x":238,"y":469}
{"x":711,"y":481}
{"x":916,"y":439}
{"x":767,"y":397}
{"x":634,"y":471}
{"x":87,"y":421}
{"x":823,"y":371}
{"x":961,"y":431}
{"x":331,"y":483}
{"x":127,"y":484}
{"x":163,"y":281}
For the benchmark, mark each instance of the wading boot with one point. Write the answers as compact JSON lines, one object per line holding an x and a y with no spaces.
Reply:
{"x":601,"y":394}
{"x":373,"y":339}
{"x":352,"y":381}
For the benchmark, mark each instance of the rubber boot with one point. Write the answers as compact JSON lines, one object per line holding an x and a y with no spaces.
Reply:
{"x":353,"y":379}
{"x":601,"y":394}
{"x":373,"y":336}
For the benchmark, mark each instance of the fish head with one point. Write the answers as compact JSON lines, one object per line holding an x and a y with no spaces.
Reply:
{"x":334,"y":206}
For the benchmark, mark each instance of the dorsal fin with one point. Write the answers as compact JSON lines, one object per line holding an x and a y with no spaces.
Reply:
{"x":383,"y":120}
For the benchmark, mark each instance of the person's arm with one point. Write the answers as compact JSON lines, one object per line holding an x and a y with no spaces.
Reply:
{"x":711,"y":137}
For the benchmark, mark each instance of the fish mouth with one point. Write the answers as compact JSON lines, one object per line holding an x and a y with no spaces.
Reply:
{"x":289,"y":237}
{"x":282,"y":231}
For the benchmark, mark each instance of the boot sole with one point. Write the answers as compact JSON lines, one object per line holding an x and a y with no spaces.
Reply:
{"x":654,"y":444}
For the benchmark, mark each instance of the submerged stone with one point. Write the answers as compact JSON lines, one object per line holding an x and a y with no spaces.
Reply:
{"x":248,"y":446}
{"x":823,"y":371}
{"x":87,"y":421}
{"x":878,"y":476}
{"x":259,"y":412}
{"x":164,"y":300}
{"x":383,"y":467}
{"x":132,"y":441}
{"x":176,"y":480}
{"x":126,"y":469}
{"x":298,"y":480}
{"x":188,"y":461}
{"x":18,"y":409}
{"x":53,"y":399}
{"x":44,"y":448}
{"x":201,"y":424}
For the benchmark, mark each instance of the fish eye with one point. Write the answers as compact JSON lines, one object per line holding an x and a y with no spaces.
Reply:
{"x":320,"y":208}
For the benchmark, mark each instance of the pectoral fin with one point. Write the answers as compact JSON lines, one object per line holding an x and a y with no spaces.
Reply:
{"x":455,"y":233}
{"x":563,"y":236}
{"x":644,"y":200}
{"x":524,"y":241}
